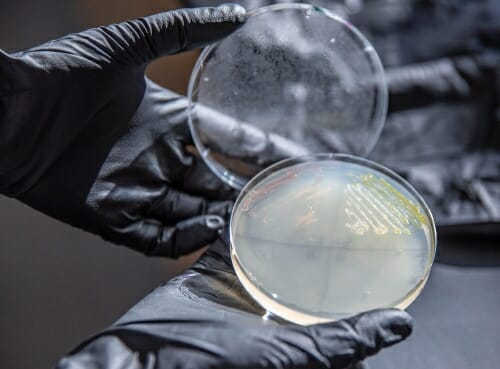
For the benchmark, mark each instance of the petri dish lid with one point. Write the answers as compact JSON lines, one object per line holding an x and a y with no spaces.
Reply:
{"x":294,"y":80}
{"x":323,"y":237}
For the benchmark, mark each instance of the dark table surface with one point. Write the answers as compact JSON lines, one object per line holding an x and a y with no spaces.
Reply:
{"x":457,"y":316}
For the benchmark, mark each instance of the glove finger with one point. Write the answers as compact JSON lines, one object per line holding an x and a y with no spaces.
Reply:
{"x":238,"y":139}
{"x":199,"y":180}
{"x":171,"y":32}
{"x":152,"y":238}
{"x":345,"y":342}
{"x":192,"y":174}
{"x":174,"y":205}
{"x":352,"y":340}
{"x":183,"y":29}
{"x":187,"y":236}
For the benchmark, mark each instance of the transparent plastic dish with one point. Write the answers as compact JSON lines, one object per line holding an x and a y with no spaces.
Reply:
{"x":294,"y":80}
{"x":323,"y":237}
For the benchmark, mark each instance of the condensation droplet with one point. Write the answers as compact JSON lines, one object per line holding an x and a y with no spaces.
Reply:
{"x":206,"y":79}
{"x":275,"y":295}
{"x":332,"y":40}
{"x":308,"y":13}
{"x":295,"y":91}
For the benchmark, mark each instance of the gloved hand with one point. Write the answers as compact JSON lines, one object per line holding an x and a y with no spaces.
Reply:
{"x":87,"y":139}
{"x":204,"y":319}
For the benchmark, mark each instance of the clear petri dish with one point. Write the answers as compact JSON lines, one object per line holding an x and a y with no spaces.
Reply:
{"x":323,"y":237}
{"x":296,"y":79}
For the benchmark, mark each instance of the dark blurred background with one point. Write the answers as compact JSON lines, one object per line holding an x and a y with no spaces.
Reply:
{"x":59,"y":285}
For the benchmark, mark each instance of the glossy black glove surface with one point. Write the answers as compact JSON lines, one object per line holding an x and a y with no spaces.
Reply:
{"x":87,"y":139}
{"x":204,"y":319}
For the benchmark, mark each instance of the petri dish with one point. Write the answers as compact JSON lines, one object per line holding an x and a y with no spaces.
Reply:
{"x":323,"y":237}
{"x":295,"y":80}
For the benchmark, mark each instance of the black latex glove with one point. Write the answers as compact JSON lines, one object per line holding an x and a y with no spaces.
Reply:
{"x":87,"y":139}
{"x":204,"y":319}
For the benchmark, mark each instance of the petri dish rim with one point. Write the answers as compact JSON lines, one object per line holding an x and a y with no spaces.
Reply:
{"x":300,"y":317}
{"x":380,"y":102}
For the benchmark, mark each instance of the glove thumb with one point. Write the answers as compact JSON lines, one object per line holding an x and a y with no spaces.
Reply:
{"x":351,"y":340}
{"x":146,"y":39}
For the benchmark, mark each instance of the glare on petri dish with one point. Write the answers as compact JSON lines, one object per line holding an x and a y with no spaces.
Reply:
{"x":321,"y":240}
